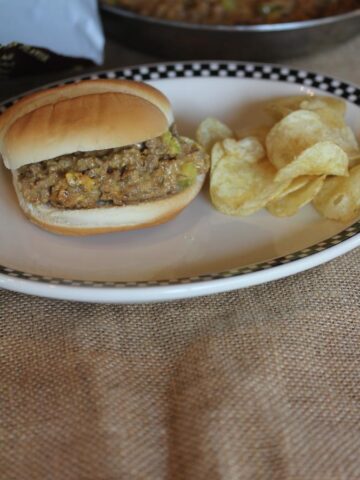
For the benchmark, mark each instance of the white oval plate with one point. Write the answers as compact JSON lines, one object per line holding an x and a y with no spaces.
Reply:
{"x":202,"y":251}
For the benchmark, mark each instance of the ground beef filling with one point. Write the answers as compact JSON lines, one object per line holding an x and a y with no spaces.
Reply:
{"x":121,"y":176}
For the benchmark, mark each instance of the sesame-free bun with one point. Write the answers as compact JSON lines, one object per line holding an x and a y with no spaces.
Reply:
{"x":108,"y":219}
{"x":85,"y":116}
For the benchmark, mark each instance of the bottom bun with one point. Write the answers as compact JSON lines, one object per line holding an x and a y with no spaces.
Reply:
{"x":108,"y":219}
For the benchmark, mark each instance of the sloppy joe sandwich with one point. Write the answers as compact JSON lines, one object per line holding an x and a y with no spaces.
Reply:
{"x":99,"y":156}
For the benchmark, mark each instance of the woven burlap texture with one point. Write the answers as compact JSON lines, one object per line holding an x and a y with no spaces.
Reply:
{"x":262,"y":383}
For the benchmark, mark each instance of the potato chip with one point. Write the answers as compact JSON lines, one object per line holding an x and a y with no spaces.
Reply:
{"x":211,"y":131}
{"x":239,"y":187}
{"x":292,"y":135}
{"x":260,"y":133}
{"x":339,"y":198}
{"x":331,"y":113}
{"x":323,"y":158}
{"x":330,"y":109}
{"x":283,"y":167}
{"x":330,"y":117}
{"x":295,"y":185}
{"x":288,"y":205}
{"x":217,"y":153}
{"x":249,"y":149}
{"x":262,"y":193}
{"x":280,"y":107}
{"x":345,"y":138}
{"x":354,"y":158}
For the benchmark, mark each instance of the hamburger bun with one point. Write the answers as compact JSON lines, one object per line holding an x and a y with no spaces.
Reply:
{"x":83,"y":117}
{"x":86,"y":116}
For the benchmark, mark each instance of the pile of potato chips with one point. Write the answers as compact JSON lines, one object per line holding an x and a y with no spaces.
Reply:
{"x":308,"y":154}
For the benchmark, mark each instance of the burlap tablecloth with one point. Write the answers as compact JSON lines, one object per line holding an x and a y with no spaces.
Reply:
{"x":262,"y":383}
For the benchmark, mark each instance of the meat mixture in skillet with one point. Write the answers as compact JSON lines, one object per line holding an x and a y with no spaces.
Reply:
{"x":120,"y":176}
{"x":235,"y":12}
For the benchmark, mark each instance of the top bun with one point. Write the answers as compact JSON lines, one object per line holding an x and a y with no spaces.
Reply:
{"x":85,"y":116}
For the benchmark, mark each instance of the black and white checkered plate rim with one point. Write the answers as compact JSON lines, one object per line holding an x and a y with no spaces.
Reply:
{"x":153,"y":72}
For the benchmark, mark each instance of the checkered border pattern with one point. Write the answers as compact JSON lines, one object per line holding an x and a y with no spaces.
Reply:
{"x":255,"y":71}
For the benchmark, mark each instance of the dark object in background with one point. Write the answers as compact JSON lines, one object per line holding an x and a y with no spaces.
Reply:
{"x":19,"y":60}
{"x":177,"y":40}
